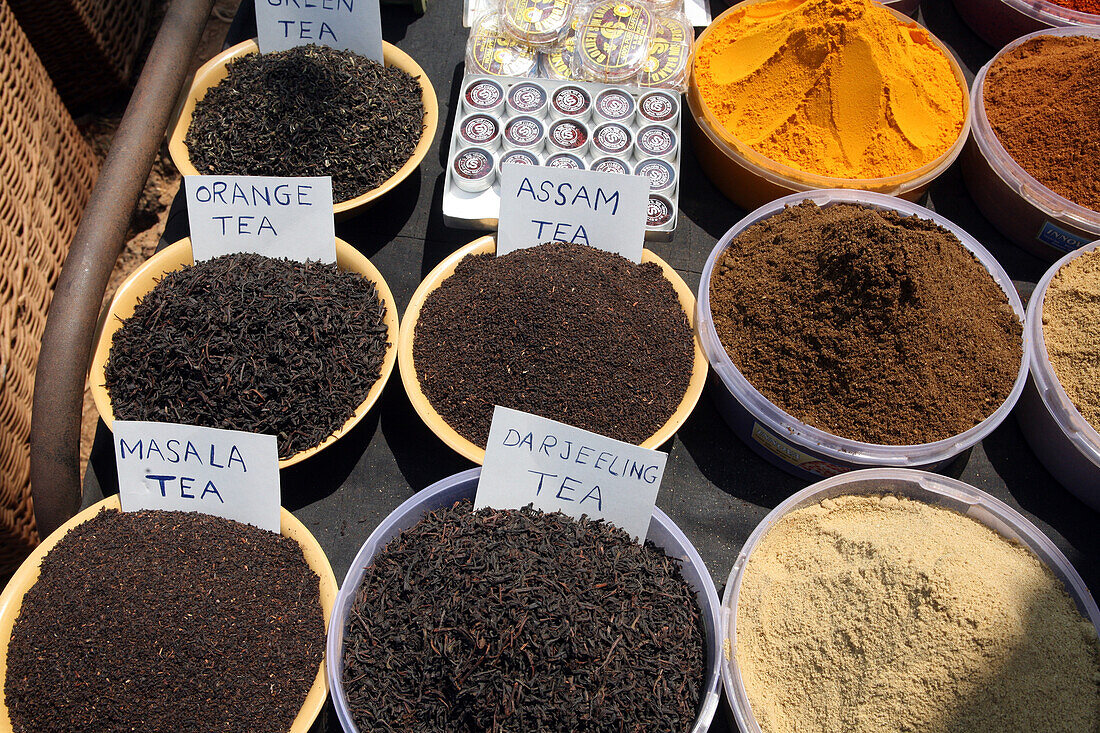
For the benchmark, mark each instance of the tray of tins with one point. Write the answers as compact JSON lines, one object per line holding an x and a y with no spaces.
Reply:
{"x":562,"y":124}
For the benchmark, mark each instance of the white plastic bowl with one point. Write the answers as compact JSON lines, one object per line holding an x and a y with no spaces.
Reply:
{"x":801,"y":449}
{"x":662,"y":532}
{"x":927,"y":487}
{"x":1066,"y":444}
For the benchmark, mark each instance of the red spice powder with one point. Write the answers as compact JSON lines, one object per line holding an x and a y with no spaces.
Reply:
{"x":1081,"y":6}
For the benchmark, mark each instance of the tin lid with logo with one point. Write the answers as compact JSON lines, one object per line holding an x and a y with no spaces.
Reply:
{"x":565,"y":160}
{"x":537,"y":22}
{"x":492,"y":51}
{"x":479,"y":130}
{"x":613,"y":39}
{"x":527,"y":98}
{"x":655,"y":141}
{"x":662,"y":176}
{"x":660,"y":211}
{"x":567,"y":136}
{"x":474,"y":169}
{"x":611,"y":165}
{"x":666,"y":65}
{"x":614,"y":105}
{"x":571,"y":100}
{"x":659,"y":107}
{"x":483,"y":95}
{"x":611,"y":138}
{"x":524,"y":133}
{"x":519,"y":157}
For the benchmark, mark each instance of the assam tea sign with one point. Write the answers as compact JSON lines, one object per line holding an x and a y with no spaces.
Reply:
{"x":267,"y":215}
{"x":603,"y":210}
{"x":227,"y":473}
{"x":557,"y":467}
{"x":350,"y":25}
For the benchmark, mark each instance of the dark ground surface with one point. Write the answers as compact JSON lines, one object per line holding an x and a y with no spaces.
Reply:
{"x":715,"y":488}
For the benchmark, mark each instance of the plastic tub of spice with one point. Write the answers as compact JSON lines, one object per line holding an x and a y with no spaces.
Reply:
{"x":177,"y":256}
{"x":663,"y":533}
{"x":1000,"y":21}
{"x":11,"y":601}
{"x":887,"y":163}
{"x":938,"y":591}
{"x":810,"y":452}
{"x":211,"y":74}
{"x":679,"y":407}
{"x":1023,"y":208}
{"x":1066,"y":443}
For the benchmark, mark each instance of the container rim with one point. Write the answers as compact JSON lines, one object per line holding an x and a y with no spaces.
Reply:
{"x":788,"y":177}
{"x":142,"y":280}
{"x":1052,"y":204}
{"x":921,"y":485}
{"x":464,"y":485}
{"x":1056,"y":15}
{"x":845,"y":450}
{"x":1066,"y":416}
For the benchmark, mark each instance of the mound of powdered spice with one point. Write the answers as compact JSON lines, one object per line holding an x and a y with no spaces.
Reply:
{"x":247,"y":342}
{"x":309,"y":111}
{"x":1071,"y":330}
{"x":565,"y":331}
{"x":1043,"y":102}
{"x":866,"y":324}
{"x":166,"y":621}
{"x":523,"y":621}
{"x":867,"y":614}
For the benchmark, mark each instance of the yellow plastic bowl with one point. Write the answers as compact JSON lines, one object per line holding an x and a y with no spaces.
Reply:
{"x":214,"y":70}
{"x":488,"y":245}
{"x":11,"y":601}
{"x":178,"y":254}
{"x":751,"y":179}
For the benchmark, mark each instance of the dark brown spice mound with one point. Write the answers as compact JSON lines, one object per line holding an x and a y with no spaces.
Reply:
{"x":309,"y":111}
{"x":866,"y":324}
{"x":166,"y":621}
{"x":247,"y":342}
{"x":1043,"y":102}
{"x":523,"y":621}
{"x":564,"y":331}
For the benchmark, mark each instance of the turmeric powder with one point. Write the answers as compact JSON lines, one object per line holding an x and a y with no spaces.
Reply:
{"x":838,"y":88}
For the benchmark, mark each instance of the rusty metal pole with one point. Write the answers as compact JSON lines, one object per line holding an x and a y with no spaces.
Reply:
{"x":67,"y":341}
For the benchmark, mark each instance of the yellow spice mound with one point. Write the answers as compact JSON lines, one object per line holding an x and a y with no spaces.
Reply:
{"x":838,"y":88}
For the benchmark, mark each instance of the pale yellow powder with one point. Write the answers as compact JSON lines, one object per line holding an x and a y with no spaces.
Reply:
{"x":886,"y":614}
{"x":1071,"y":330}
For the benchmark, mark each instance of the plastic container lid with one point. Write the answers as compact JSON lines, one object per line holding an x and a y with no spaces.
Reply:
{"x":844,"y":450}
{"x":928,"y":487}
{"x":537,"y":22}
{"x":1054,"y":205}
{"x":492,"y":51}
{"x":1077,"y":429}
{"x":663,"y":532}
{"x":613,"y":39}
{"x":666,"y":64}
{"x":1052,"y":14}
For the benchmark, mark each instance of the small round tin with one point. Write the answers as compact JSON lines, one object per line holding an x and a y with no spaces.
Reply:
{"x":483,"y":95}
{"x":519,"y":157}
{"x":655,"y":141}
{"x":611,"y":165}
{"x":479,"y":131}
{"x":567,"y":136}
{"x":565,"y":160}
{"x":474,"y":169}
{"x":614,"y":105}
{"x":524,"y":133}
{"x":611,"y":138}
{"x":662,"y":176}
{"x":570,"y":101}
{"x":527,"y":98}
{"x":660,"y":107}
{"x":660,"y":211}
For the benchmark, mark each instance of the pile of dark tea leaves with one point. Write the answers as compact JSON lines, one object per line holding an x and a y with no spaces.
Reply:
{"x":565,"y":331}
{"x":309,"y":111}
{"x":522,"y":621}
{"x":247,"y":342}
{"x":160,"y":621}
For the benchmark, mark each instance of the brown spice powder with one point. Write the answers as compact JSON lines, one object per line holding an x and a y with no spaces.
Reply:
{"x":866,"y":324}
{"x":1043,"y":102}
{"x":866,"y":614}
{"x":1071,"y":330}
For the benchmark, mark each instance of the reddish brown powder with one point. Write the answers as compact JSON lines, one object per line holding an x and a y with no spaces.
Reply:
{"x":1081,"y":6}
{"x":1043,"y":102}
{"x":866,"y":324}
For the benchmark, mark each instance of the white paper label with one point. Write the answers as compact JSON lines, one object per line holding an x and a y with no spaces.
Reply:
{"x":603,"y":210}
{"x":350,"y":25}
{"x":268,"y":215}
{"x":170,"y":467}
{"x":557,"y":467}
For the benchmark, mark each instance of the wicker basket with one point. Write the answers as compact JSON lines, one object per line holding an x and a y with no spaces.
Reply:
{"x":47,"y":172}
{"x":87,"y":46}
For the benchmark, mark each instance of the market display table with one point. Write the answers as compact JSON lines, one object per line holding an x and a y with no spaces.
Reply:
{"x":715,"y":488}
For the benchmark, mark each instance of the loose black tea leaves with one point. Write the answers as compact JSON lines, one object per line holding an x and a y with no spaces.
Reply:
{"x":309,"y":111}
{"x":522,"y":621}
{"x":247,"y":342}
{"x":166,"y":621}
{"x":564,"y":331}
